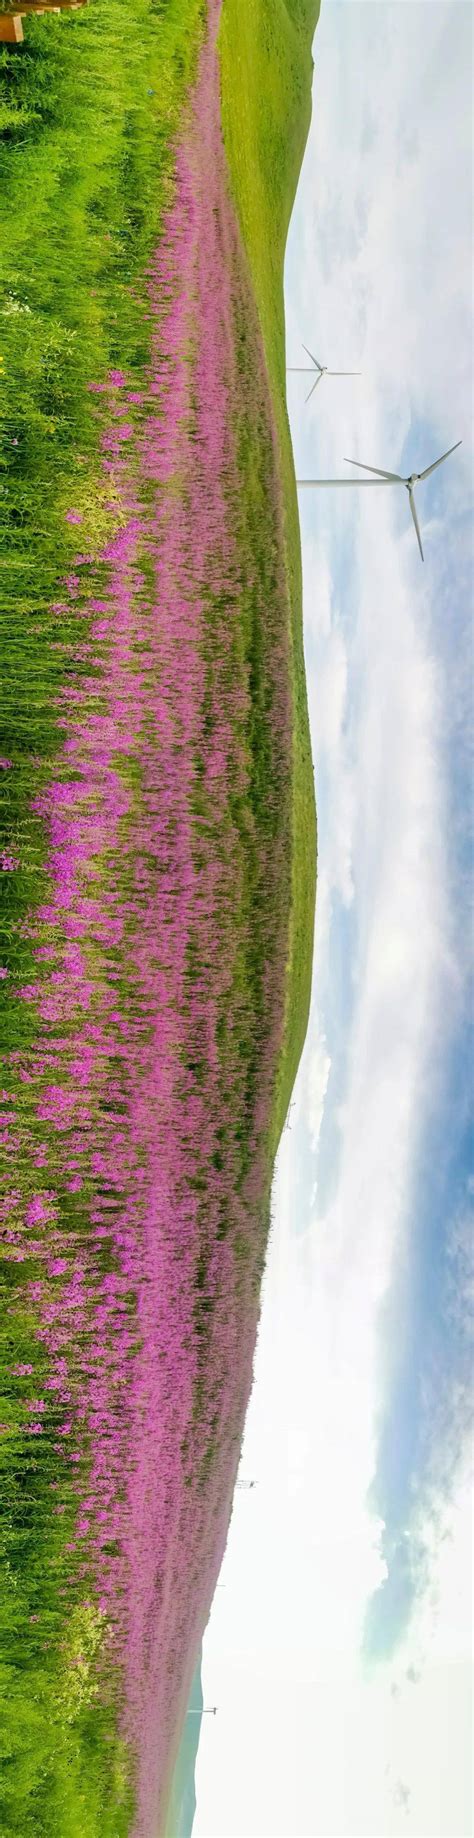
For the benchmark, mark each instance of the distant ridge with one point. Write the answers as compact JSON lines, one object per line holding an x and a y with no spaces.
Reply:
{"x":182,"y":1805}
{"x":266,"y":61}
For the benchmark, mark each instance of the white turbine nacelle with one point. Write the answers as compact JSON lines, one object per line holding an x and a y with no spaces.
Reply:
{"x":304,"y":370}
{"x":389,"y":478}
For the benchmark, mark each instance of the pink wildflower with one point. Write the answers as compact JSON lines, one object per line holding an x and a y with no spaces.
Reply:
{"x":37,"y":1211}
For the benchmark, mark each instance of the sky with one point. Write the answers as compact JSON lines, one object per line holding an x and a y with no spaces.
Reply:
{"x":338,"y":1650}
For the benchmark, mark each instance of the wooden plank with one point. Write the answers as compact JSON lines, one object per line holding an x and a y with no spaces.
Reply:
{"x":11,"y":9}
{"x":11,"y":30}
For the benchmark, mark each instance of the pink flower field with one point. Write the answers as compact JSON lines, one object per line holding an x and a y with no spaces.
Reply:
{"x":139,"y":1109}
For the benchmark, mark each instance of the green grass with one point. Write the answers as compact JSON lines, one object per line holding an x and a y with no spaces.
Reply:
{"x":89,"y":111}
{"x":85,"y":150}
{"x":266,"y":64}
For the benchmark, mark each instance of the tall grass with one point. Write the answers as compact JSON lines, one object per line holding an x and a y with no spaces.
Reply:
{"x":90,"y":109}
{"x":145,"y":857}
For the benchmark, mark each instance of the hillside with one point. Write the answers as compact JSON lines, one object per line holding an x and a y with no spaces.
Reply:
{"x":266,"y":74}
{"x":155,"y":786}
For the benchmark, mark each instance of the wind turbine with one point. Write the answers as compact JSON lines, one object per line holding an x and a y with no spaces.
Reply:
{"x":303,"y":370}
{"x":389,"y":478}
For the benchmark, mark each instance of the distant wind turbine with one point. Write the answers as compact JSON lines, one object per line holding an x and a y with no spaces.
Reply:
{"x":303,"y":370}
{"x":208,"y":1710}
{"x":389,"y":478}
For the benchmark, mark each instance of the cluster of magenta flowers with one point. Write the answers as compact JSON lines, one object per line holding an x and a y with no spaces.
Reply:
{"x":138,"y":1209}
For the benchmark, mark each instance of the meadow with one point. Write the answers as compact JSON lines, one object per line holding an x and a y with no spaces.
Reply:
{"x":266,"y":70}
{"x":157,"y":863}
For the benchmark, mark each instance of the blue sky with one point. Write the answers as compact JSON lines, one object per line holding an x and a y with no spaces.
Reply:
{"x":422,"y":631}
{"x":339,"y":1650}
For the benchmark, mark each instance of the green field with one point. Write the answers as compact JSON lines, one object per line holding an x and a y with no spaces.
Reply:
{"x":90,"y":110}
{"x":266,"y":68}
{"x":89,"y":113}
{"x":86,"y":138}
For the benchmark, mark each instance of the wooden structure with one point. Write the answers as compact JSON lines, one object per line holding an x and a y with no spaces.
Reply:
{"x":11,"y":28}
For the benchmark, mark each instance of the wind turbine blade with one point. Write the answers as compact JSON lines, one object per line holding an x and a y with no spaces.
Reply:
{"x":299,"y":370}
{"x":378,"y":469}
{"x":313,"y":359}
{"x":344,"y":373}
{"x":428,"y":469}
{"x":416,"y":523}
{"x":353,"y":484}
{"x":314,"y":386}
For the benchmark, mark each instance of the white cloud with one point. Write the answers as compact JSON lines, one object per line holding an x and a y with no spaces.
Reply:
{"x":376,"y":691}
{"x":383,"y":226}
{"x":304,"y":1743}
{"x":332,"y":692}
{"x":319,"y":1067}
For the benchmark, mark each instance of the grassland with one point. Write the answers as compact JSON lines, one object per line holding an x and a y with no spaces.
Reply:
{"x":90,"y":108}
{"x":90,"y":113}
{"x":266,"y":65}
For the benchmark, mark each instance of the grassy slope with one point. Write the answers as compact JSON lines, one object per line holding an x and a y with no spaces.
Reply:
{"x":266,"y":65}
{"x":85,"y":154}
{"x":182,"y":1807}
{"x":86,"y":164}
{"x":264,"y":148}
